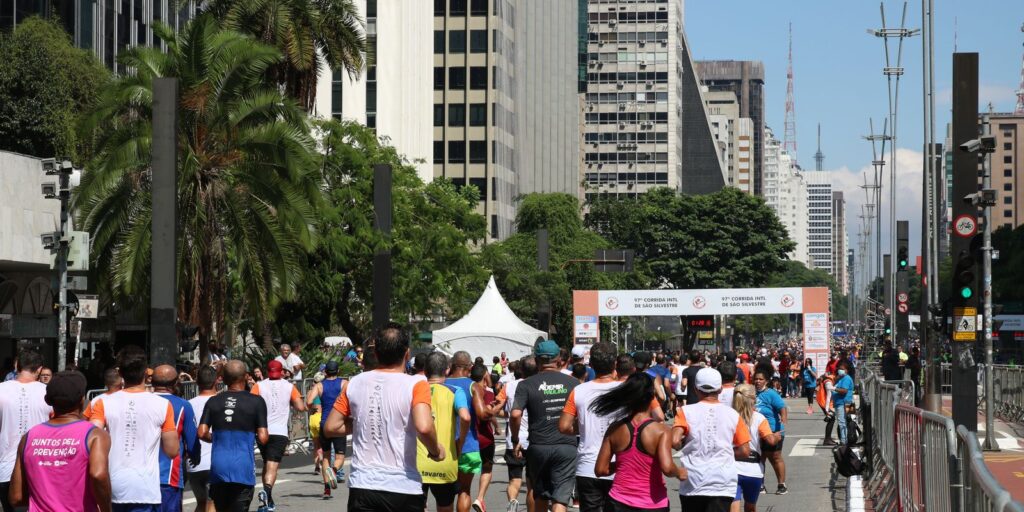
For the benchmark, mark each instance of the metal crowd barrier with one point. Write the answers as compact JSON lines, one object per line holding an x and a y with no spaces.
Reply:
{"x":982,"y":492}
{"x":1008,"y":392}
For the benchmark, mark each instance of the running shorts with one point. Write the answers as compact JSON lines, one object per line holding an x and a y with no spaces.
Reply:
{"x":273,"y":451}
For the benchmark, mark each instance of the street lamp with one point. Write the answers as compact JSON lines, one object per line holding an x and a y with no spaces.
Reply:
{"x":59,"y":241}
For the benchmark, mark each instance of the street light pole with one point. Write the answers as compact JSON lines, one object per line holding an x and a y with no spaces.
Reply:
{"x":986,"y":261}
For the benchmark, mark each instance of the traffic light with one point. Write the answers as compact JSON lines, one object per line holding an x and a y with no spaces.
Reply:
{"x":964,"y":280}
{"x":902,"y":258}
{"x":888,"y":327}
{"x":902,"y":245}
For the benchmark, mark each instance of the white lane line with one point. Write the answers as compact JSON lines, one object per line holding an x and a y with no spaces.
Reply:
{"x":804,"y":448}
{"x":259,"y":486}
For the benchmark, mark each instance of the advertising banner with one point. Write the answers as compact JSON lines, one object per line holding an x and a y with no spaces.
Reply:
{"x":738,"y":301}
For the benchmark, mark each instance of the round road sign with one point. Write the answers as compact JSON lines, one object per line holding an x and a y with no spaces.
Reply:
{"x":902,"y":307}
{"x":965,"y":225}
{"x":888,"y":311}
{"x":902,"y":297}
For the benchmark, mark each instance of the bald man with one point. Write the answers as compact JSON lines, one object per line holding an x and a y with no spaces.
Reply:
{"x":172,"y":470}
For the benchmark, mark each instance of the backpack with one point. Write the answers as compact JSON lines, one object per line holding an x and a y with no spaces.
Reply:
{"x":853,"y":432}
{"x":848,"y":463}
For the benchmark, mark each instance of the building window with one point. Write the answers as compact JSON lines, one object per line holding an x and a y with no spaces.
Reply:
{"x":478,"y":7}
{"x":494,"y":226}
{"x":457,"y":79}
{"x":1008,"y":173}
{"x":456,"y":151}
{"x":477,"y":41}
{"x":1007,"y":187}
{"x":1007,"y":146}
{"x":457,"y":41}
{"x":456,"y":115}
{"x":336,"y":93}
{"x":439,"y":41}
{"x":1008,"y":213}
{"x":439,"y":78}
{"x":439,"y":7}
{"x":438,"y":151}
{"x":1007,"y":200}
{"x":477,"y":152}
{"x":478,"y":114}
{"x":438,"y":114}
{"x":478,"y":77}
{"x":457,"y":8}
{"x":494,"y":189}
{"x":1007,"y":159}
{"x":481,"y":186}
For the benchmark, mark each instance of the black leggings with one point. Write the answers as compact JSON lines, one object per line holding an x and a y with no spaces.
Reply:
{"x":809,"y":393}
{"x":829,"y":425}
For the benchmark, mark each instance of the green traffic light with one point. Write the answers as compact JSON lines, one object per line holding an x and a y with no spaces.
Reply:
{"x":888,"y":330}
{"x":903,"y":263}
{"x":966,"y":292}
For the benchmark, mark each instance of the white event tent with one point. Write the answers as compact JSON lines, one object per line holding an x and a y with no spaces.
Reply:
{"x":489,"y":329}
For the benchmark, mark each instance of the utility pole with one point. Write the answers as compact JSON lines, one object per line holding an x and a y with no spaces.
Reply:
{"x":60,"y":242}
{"x":163,"y":334}
{"x":932,"y":397}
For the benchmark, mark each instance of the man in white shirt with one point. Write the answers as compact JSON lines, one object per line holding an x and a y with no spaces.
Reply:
{"x":22,"y":406}
{"x":199,"y":475}
{"x":281,"y":397}
{"x":290,"y":361}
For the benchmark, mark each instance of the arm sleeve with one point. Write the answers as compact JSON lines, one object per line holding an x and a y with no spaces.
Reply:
{"x":295,"y":393}
{"x":764,"y":429}
{"x":520,"y":400}
{"x":341,"y":404}
{"x":570,"y":404}
{"x":742,"y":435}
{"x":255,"y":389}
{"x":420,"y":393}
{"x":168,"y":425}
{"x":460,"y":400}
{"x":95,"y":412}
{"x":680,"y":422}
{"x":204,"y":418}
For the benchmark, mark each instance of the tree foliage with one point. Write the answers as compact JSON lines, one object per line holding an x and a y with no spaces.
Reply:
{"x":247,"y":186}
{"x":513,"y":262}
{"x":45,"y":86}
{"x":433,"y":229}
{"x":728,"y":239}
{"x":797,"y":275}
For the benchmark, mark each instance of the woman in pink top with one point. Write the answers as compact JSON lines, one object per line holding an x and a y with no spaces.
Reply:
{"x":641,"y":447}
{"x":62,"y":464}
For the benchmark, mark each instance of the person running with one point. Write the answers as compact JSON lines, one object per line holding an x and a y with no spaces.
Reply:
{"x":728,"y":371}
{"x":470,"y":461}
{"x":386,"y":411}
{"x":281,"y":397}
{"x":327,"y":391}
{"x":483,"y":398}
{"x":232,"y":422}
{"x":640,"y":444}
{"x":22,"y":406}
{"x":199,"y":474}
{"x":842,"y":396}
{"x":451,"y":410}
{"x":525,"y":368}
{"x":690,"y":377}
{"x":751,"y":469}
{"x":578,"y":417}
{"x":172,"y":469}
{"x":712,"y":437}
{"x":62,"y":464}
{"x":141,"y":426}
{"x":552,"y":455}
{"x":771,"y":405}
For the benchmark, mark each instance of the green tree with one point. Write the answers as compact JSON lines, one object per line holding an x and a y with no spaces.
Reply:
{"x":513,"y":262}
{"x":307,"y":32}
{"x":247,"y":181}
{"x":797,"y":275}
{"x":434,"y":227}
{"x":45,"y":86}
{"x":728,"y":239}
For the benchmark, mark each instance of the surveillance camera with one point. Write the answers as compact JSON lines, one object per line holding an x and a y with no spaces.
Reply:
{"x":49,"y":240}
{"x":49,"y":166}
{"x":971,"y":146}
{"x":988,"y":144}
{"x":49,"y":190}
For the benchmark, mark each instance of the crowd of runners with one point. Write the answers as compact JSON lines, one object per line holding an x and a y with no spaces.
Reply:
{"x":591,"y":428}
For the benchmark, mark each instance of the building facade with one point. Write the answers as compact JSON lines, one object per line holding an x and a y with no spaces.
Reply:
{"x":745,"y":79}
{"x":733,"y":134}
{"x":785,"y":191}
{"x":1008,"y":130}
{"x":839,"y":242}
{"x":819,"y":221}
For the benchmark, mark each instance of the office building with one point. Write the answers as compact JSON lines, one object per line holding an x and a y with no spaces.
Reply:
{"x":785,"y":191}
{"x":745,"y":79}
{"x":839,"y":242}
{"x":819,"y":221}
{"x":1008,"y":130}
{"x":733,"y":134}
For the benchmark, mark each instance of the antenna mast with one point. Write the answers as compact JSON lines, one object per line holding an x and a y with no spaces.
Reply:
{"x":819,"y":157}
{"x":1020,"y":91}
{"x":789,"y":137}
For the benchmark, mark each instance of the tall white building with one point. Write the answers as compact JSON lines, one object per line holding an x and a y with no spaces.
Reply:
{"x":821,"y":242}
{"x":733,"y":134}
{"x":785,"y":191}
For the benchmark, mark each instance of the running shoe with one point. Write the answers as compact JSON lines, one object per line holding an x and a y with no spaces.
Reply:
{"x":262,"y":497}
{"x":327,"y":492}
{"x":513,"y":506}
{"x":763,"y":490}
{"x":478,"y":506}
{"x":781,"y":490}
{"x":341,"y":475}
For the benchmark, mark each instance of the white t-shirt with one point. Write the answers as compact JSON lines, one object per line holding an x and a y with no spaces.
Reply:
{"x":199,"y":405}
{"x":711,"y":432}
{"x":591,"y":426}
{"x":136,"y":420}
{"x":22,"y":407}
{"x":759,"y":428}
{"x":524,"y":429}
{"x":679,"y":389}
{"x":278,"y":393}
{"x":726,"y":395}
{"x":289,"y":364}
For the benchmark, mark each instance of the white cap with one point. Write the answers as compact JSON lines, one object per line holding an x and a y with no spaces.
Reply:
{"x":709,"y":380}
{"x":580,"y":350}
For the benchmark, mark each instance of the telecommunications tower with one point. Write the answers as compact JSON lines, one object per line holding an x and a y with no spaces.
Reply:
{"x":789,"y":137}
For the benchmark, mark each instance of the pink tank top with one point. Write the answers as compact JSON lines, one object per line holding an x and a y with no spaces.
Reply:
{"x":638,"y":482}
{"x":56,"y":462}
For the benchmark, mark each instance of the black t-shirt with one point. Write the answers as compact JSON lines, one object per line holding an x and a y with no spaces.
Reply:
{"x":690,"y":374}
{"x":542,"y":397}
{"x":234,"y":417}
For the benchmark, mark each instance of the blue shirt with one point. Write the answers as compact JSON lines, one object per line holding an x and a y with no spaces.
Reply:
{"x":461,"y":402}
{"x":329,"y":391}
{"x":465,"y":384}
{"x":809,"y":380}
{"x":770,"y":404}
{"x":234,"y":417}
{"x":845,"y":382}
{"x":172,"y":471}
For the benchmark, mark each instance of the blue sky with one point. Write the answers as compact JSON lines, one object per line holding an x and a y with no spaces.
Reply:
{"x":838,"y":75}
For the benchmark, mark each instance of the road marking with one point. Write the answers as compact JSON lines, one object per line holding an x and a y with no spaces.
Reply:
{"x":804,"y":448}
{"x":259,"y":486}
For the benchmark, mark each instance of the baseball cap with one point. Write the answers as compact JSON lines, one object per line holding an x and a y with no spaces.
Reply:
{"x":275,"y":369}
{"x":66,"y":390}
{"x":744,"y":357}
{"x":709,"y":380}
{"x":547,"y":348}
{"x":331,"y":368}
{"x":579,"y":350}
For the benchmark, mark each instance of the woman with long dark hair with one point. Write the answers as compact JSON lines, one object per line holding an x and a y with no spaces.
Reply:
{"x":809,"y":376}
{"x":641,"y":445}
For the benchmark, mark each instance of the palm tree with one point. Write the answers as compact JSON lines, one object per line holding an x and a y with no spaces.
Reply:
{"x":247,"y":177}
{"x":308,"y":32}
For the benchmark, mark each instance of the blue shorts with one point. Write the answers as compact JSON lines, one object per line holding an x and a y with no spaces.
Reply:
{"x":170,"y":498}
{"x":748,"y":489}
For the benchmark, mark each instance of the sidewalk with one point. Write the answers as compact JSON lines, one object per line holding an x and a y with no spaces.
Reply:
{"x":1007,"y":465}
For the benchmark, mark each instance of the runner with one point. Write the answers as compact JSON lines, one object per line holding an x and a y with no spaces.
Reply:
{"x":281,"y":397}
{"x":771,"y":405}
{"x":63,"y":480}
{"x":728,"y":371}
{"x":470,"y":461}
{"x":551,"y":460}
{"x":386,"y":411}
{"x":524,"y":368}
{"x":625,"y":366}
{"x":447,"y":404}
{"x":232,"y":422}
{"x":712,"y":437}
{"x":172,"y":470}
{"x":22,"y":406}
{"x":751,"y":470}
{"x":690,"y":377}
{"x":199,"y":474}
{"x":327,"y":392}
{"x":577,"y":417}
{"x":483,"y":399}
{"x":141,"y":425}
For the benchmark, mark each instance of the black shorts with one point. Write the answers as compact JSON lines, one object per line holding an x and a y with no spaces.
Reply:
{"x":619,"y":507}
{"x":706,"y":503}
{"x":593,"y":494}
{"x":5,"y":489}
{"x":552,"y":471}
{"x":199,"y":482}
{"x":365,"y":500}
{"x":487,"y":455}
{"x":766,"y":448}
{"x":338,"y":444}
{"x":273,"y":451}
{"x":444,"y":494}
{"x":229,"y":497}
{"x":515,"y":465}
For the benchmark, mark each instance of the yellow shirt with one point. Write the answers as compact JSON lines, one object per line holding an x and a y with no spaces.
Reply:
{"x":442,"y":405}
